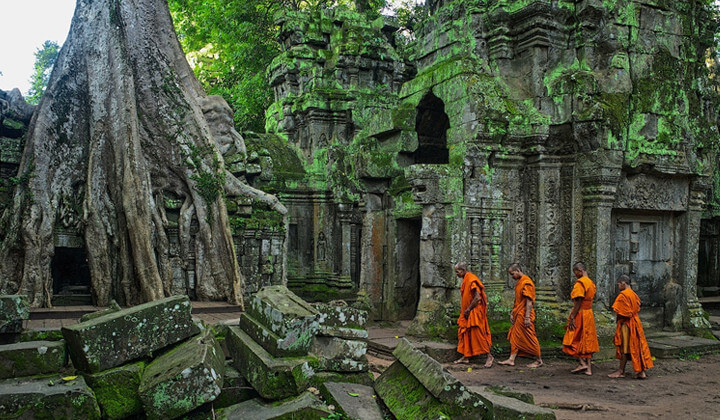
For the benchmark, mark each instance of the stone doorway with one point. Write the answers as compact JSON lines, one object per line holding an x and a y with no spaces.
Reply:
{"x":407,"y":284}
{"x":643,"y":249}
{"x":71,"y":277}
{"x":708,"y":279}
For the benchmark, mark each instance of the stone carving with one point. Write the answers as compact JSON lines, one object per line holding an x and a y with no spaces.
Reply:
{"x":646,"y":192}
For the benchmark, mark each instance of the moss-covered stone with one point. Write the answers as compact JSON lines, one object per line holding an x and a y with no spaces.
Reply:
{"x":235,"y":389}
{"x":304,"y":407}
{"x":49,"y":397}
{"x":14,"y":309}
{"x":32,"y":358}
{"x":116,"y":390}
{"x":116,"y":338}
{"x":183,"y":379}
{"x":273,"y":378}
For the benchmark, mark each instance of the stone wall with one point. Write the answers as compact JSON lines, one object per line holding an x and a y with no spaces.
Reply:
{"x":533,"y":131}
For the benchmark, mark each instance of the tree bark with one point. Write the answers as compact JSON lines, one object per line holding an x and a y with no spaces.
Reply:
{"x":119,"y":128}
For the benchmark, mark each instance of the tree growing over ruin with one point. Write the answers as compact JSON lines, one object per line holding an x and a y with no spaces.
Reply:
{"x":122,"y":125}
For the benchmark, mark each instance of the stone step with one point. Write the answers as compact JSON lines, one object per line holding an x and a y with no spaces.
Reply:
{"x":77,"y":311}
{"x":672,"y":346}
{"x":354,"y":401}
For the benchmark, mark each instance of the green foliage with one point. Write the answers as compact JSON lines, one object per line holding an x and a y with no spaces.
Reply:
{"x":45,"y":58}
{"x":231,"y":43}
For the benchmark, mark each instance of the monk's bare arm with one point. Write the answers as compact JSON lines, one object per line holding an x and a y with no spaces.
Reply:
{"x":574,"y":312}
{"x":473,"y":303}
{"x":528,"y":309}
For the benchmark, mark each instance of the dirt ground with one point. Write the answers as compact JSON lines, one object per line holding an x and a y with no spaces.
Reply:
{"x":674,"y":389}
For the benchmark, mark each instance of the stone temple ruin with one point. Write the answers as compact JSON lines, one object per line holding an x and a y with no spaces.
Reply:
{"x":544,"y":132}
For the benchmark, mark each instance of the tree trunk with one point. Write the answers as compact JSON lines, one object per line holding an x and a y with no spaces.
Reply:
{"x":119,"y":128}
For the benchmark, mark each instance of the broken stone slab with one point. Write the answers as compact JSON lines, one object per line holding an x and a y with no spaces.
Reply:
{"x":271,"y":342}
{"x":338,"y":348}
{"x":341,"y":316}
{"x":14,"y":309}
{"x":363,"y":378}
{"x":114,"y":307}
{"x":235,"y":389}
{"x":510,"y":392}
{"x":183,"y":379}
{"x":354,"y":401}
{"x":116,"y":390}
{"x":47,"y":398}
{"x":119,"y":337}
{"x":305,"y":406}
{"x":273,"y":378}
{"x":286,"y":315}
{"x":32,"y":358}
{"x":345,"y":365}
{"x":407,"y":398}
{"x":436,"y":379}
{"x":347,"y":333}
{"x":504,"y":407}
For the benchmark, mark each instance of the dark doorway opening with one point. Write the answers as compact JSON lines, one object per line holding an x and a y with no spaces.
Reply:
{"x":431,"y":125}
{"x":407,"y":285}
{"x":71,"y":277}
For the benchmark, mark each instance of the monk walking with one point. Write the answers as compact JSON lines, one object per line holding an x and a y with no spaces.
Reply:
{"x":473,"y":330}
{"x":580,"y":338}
{"x":523,"y":340}
{"x":629,"y":335}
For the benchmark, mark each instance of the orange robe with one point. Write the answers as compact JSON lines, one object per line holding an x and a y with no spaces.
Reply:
{"x":474,"y":332}
{"x":582,"y":342}
{"x":627,"y":306}
{"x":523,"y":340}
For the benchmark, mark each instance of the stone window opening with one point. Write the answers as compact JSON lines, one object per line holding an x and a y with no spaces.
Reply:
{"x":431,"y":125}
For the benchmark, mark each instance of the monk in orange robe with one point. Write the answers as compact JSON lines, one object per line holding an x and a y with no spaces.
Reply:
{"x":473,"y":330}
{"x":629,"y":335}
{"x":522,"y":337}
{"x":580,"y":338}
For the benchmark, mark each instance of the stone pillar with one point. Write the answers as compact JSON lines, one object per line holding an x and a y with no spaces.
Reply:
{"x":600,"y":173}
{"x":692,"y":313}
{"x":346,"y":240}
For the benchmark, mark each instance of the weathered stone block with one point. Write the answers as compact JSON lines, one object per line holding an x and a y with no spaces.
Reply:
{"x":114,"y":307}
{"x":235,"y":389}
{"x":116,"y":390}
{"x":271,"y":342}
{"x":273,"y":378}
{"x":509,"y":392}
{"x":183,"y":379}
{"x":114,"y":339}
{"x":346,"y":365}
{"x":436,"y":379}
{"x":407,"y":398}
{"x":504,"y":407}
{"x":47,"y":398}
{"x":306,"y":406}
{"x":339,"y":348}
{"x":341,"y":316}
{"x":14,"y":309}
{"x":354,"y":401}
{"x":285,"y":314}
{"x":32,"y":358}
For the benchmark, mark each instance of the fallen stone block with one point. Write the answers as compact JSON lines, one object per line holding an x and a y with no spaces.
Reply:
{"x":235,"y":389}
{"x":407,"y":398}
{"x":32,"y":358}
{"x":119,"y":337}
{"x":341,"y":316}
{"x":273,"y":378}
{"x":436,"y":379}
{"x":504,"y":407}
{"x":285,"y":314}
{"x":339,"y":348}
{"x":510,"y":392}
{"x":116,"y":390}
{"x":41,"y":335}
{"x":47,"y":398}
{"x":305,"y":406}
{"x":114,"y":307}
{"x":14,"y":309}
{"x":183,"y":379}
{"x":354,"y":401}
{"x":271,"y":342}
{"x":345,"y":365}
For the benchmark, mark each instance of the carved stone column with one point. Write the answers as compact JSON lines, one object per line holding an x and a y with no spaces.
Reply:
{"x":600,"y":173}
{"x":693,"y":312}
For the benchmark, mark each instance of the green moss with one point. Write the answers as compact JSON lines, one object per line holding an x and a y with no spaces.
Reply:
{"x":117,"y":390}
